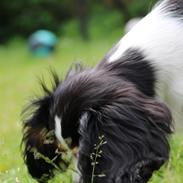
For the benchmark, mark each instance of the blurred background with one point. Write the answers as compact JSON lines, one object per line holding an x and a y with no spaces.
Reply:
{"x":36,"y":35}
{"x":87,"y":19}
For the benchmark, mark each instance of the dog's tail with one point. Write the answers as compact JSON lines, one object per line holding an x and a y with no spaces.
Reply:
{"x":41,"y":149}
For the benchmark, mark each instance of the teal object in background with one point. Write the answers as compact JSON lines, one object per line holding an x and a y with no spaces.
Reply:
{"x":42,"y":43}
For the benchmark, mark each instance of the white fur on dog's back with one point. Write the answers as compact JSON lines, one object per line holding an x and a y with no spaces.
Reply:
{"x":160,"y":37}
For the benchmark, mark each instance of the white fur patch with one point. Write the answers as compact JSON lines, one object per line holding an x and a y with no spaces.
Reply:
{"x":58,"y":131}
{"x":84,"y":119}
{"x":159,"y":36}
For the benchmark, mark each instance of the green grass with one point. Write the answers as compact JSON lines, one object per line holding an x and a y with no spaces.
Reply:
{"x":18,"y":81}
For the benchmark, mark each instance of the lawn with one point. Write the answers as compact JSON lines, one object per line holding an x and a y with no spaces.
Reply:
{"x":19,"y":72}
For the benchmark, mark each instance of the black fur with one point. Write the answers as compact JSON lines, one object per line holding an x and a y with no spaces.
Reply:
{"x":135,"y":68}
{"x":119,"y":104}
{"x":38,"y":137}
{"x":174,"y":8}
{"x":135,"y":128}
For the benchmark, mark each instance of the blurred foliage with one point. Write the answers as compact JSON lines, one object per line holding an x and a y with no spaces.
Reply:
{"x":22,"y":17}
{"x":103,"y":22}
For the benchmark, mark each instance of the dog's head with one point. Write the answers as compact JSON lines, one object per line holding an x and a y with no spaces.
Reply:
{"x":90,"y":105}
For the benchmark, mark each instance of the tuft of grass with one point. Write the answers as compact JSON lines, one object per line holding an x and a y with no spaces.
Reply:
{"x":95,"y":156}
{"x":18,"y":81}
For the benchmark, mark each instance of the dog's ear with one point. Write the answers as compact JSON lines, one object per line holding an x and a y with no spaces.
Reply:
{"x":136,"y":128}
{"x":41,"y":149}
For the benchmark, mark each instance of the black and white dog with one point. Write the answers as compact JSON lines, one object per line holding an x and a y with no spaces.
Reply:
{"x":112,"y":112}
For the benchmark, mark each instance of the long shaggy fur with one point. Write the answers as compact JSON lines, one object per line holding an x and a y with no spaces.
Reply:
{"x":134,"y":124}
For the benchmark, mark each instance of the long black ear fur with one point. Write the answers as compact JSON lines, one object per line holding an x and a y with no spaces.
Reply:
{"x":40,"y":146}
{"x":136,"y":129}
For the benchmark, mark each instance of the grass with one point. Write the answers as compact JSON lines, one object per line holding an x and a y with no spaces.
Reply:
{"x":19,"y":71}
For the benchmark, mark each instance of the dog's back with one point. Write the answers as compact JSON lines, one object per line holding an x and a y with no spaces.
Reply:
{"x":159,"y":36}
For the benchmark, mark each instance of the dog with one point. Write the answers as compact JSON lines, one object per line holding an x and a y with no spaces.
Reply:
{"x":116,"y":113}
